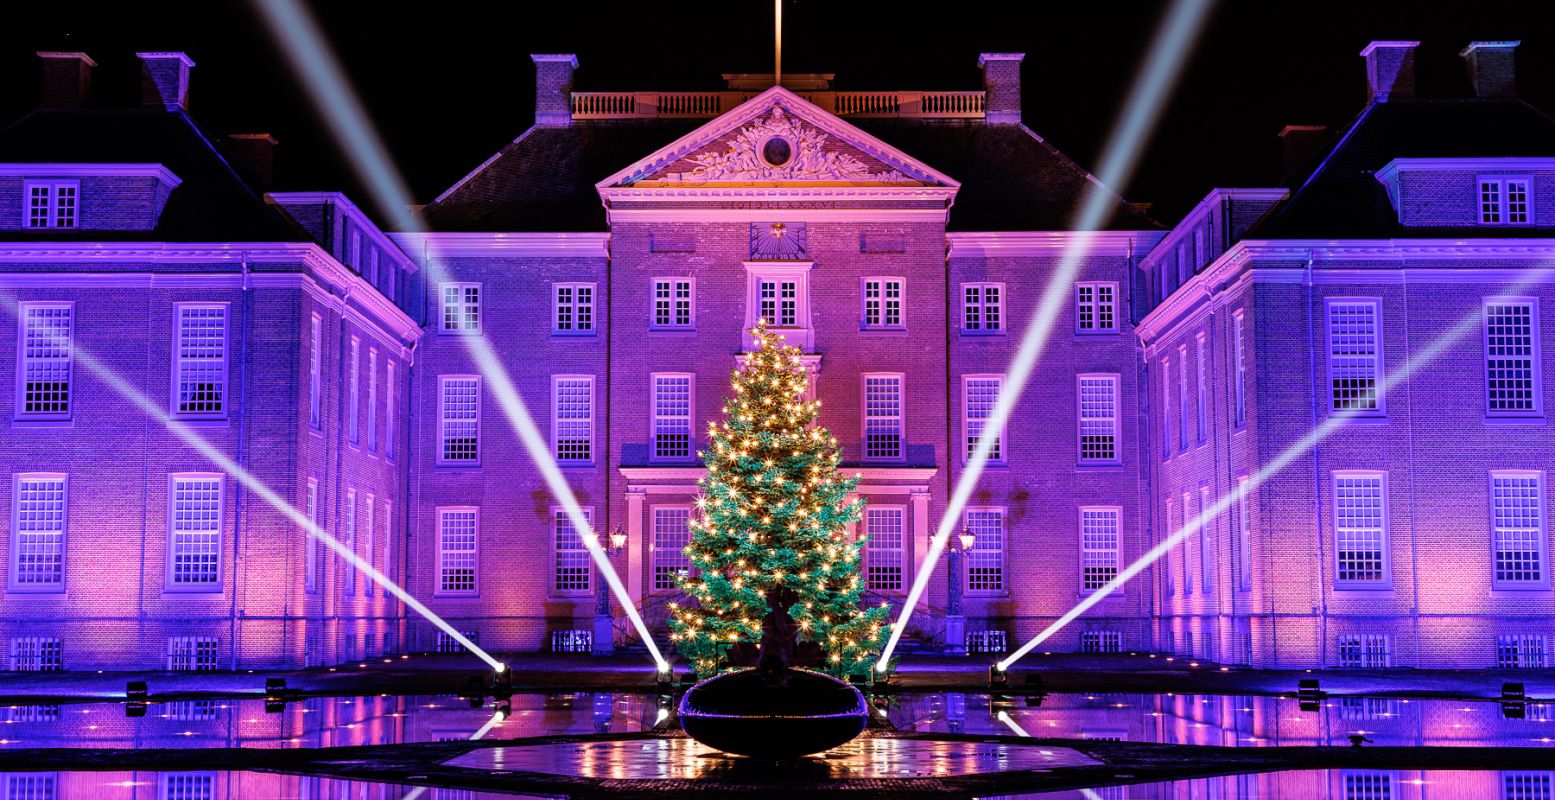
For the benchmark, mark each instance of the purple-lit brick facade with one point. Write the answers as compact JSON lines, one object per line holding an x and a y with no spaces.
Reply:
{"x":613,"y":255}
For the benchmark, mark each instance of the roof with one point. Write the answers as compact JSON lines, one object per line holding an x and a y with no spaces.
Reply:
{"x":545,"y":180}
{"x":214,"y":202}
{"x":1336,"y":194}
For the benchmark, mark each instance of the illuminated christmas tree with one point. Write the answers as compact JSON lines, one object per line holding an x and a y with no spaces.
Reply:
{"x":773,"y":514}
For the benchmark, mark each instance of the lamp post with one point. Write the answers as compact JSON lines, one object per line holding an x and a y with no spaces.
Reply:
{"x":604,"y":622}
{"x":955,"y":617}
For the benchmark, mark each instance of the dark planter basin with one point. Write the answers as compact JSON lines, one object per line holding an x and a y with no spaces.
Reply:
{"x":740,"y":713}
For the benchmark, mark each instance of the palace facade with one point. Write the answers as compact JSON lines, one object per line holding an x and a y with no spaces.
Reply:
{"x":1341,"y":373}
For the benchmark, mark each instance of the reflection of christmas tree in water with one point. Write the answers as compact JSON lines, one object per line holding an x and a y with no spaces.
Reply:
{"x":771,"y":526}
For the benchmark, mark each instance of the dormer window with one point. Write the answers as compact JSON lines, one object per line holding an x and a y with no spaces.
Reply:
{"x":1505,"y":200}
{"x":51,"y":204}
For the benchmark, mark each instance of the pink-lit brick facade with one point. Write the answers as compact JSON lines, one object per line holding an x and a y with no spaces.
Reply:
{"x":612,"y":257}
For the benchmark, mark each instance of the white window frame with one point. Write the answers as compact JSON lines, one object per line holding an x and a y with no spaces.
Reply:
{"x":354,"y":255}
{"x":1111,"y":422}
{"x":1201,"y":361}
{"x":372,"y":399}
{"x":354,"y":392}
{"x":1243,"y":511}
{"x":664,"y":559}
{"x":662,"y":424}
{"x":1385,"y":582}
{"x":1538,"y":533}
{"x":883,"y":304}
{"x":982,"y":306}
{"x":673,"y":304}
{"x":172,"y":584}
{"x":1188,"y":558}
{"x":1239,"y":354}
{"x":798,"y":272}
{"x":1094,"y":552}
{"x":999,"y":454}
{"x":1206,"y":537}
{"x":54,"y":207}
{"x":387,"y":561}
{"x":445,"y":424}
{"x":389,"y":388}
{"x":1535,"y":357}
{"x":1095,"y":308}
{"x":1169,"y":571}
{"x":883,"y":558}
{"x":310,"y":544}
{"x":558,"y":423}
{"x":558,"y":515}
{"x":466,"y":312}
{"x":369,"y":538}
{"x":1166,"y":408}
{"x":348,"y":539}
{"x":58,"y":548}
{"x":1349,"y":366}
{"x":1182,"y":397}
{"x":1002,"y":551}
{"x":575,"y":308}
{"x":1500,"y":213}
{"x":49,"y":364}
{"x":222,"y":368}
{"x":316,"y":372}
{"x":445,"y":553}
{"x":898,"y":421}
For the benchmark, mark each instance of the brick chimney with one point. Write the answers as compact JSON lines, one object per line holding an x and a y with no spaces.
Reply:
{"x":164,"y":80}
{"x":67,"y":78}
{"x":553,"y":88}
{"x":1001,"y":82}
{"x":256,"y":152}
{"x":1390,"y":70}
{"x":1491,"y":68}
{"x":1299,"y":141}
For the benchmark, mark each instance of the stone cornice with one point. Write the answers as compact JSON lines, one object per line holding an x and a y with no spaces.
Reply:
{"x":512,"y":245}
{"x":1203,"y":209}
{"x":73,"y":170}
{"x":340,"y":201}
{"x":1015,"y":244}
{"x":1511,"y":164}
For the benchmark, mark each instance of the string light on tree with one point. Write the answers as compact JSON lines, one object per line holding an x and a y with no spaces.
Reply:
{"x":774,"y":512}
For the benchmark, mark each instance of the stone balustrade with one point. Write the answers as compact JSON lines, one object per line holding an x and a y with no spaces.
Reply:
{"x":705,"y":105}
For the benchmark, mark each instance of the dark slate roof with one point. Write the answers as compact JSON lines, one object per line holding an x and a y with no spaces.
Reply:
{"x":214,"y":203}
{"x":544,"y":181}
{"x":1336,"y":196}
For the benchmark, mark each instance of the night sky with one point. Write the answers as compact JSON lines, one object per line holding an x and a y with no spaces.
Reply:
{"x":450,"y":83}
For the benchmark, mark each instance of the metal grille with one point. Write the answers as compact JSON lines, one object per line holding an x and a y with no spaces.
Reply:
{"x":40,"y":532}
{"x":191,"y":653}
{"x":572,"y":641}
{"x":35,"y":786}
{"x":46,"y":360}
{"x":457,"y":550}
{"x":574,"y":421}
{"x":1517,"y":509}
{"x":1527,"y":785}
{"x":886,"y":552}
{"x":448,"y":644}
{"x":985,"y":561}
{"x":37,"y":654}
{"x":1510,"y":369}
{"x":983,"y":310}
{"x":572,"y":557}
{"x":461,"y":419}
{"x":188,"y":786}
{"x":1358,"y":528}
{"x":1099,"y":418}
{"x":1099,"y":543}
{"x":1101,"y":642}
{"x":672,"y":416}
{"x":882,"y":303}
{"x":1521,"y":651}
{"x":671,"y":536}
{"x":461,"y":307}
{"x":1365,"y":651}
{"x":1368,"y":786}
{"x":202,"y":360}
{"x":1353,"y":355}
{"x":196,"y":539}
{"x":882,"y":416}
{"x":981,"y":396}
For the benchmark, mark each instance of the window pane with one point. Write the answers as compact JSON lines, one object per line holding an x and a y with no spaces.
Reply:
{"x":671,"y":536}
{"x":885,"y":554}
{"x":1358,"y":526}
{"x":1099,"y":544}
{"x":40,"y":532}
{"x":461,"y":419}
{"x":196,"y":535}
{"x":457,"y":543}
{"x":574,"y":420}
{"x":1099,"y":418}
{"x":202,"y":359}
{"x":572,"y":557}
{"x":1517,"y":510}
{"x":1511,"y":370}
{"x":882,"y":416}
{"x":672,"y":416}
{"x":981,"y":396}
{"x":985,"y":561}
{"x":46,"y":361}
{"x":1353,"y":355}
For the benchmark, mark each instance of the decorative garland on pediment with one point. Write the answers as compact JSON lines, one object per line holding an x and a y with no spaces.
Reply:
{"x":780,"y":148}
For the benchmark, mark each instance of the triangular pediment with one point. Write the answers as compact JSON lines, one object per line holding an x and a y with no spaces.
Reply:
{"x":778,"y":138}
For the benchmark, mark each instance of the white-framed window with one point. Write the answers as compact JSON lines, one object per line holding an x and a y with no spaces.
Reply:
{"x":1354,"y":356}
{"x":461,"y":307}
{"x":1201,"y":360}
{"x":1512,"y":375}
{"x":574,"y":309}
{"x":1100,"y":545}
{"x":1169,"y":575}
{"x":459,"y":415}
{"x":882,"y":300}
{"x":1096,"y":307}
{"x":671,"y":537}
{"x":1238,"y":330}
{"x":572,"y":418}
{"x":372,"y":399}
{"x":1166,"y":408}
{"x":1097,"y":426}
{"x":1242,"y":517}
{"x":390,"y":388}
{"x":354,"y":254}
{"x":316,"y":372}
{"x":572,"y":573}
{"x":191,"y":653}
{"x":674,"y":304}
{"x":37,"y":654}
{"x":885,"y":554}
{"x":672,"y":404}
{"x":979,"y":394}
{"x":1182,"y":397}
{"x":1517,"y":529}
{"x":369,"y":545}
{"x":1101,"y":642}
{"x":310,"y":543}
{"x":1189,"y":559}
{"x":200,"y":360}
{"x":1505,"y":200}
{"x":38,"y":545}
{"x":52,"y":204}
{"x":985,"y":561}
{"x":1360,"y":529}
{"x":1365,"y":650}
{"x":186,"y":786}
{"x":1527,"y":785}
{"x":387,"y":563}
{"x":354,"y":392}
{"x":982,"y":308}
{"x":47,"y":331}
{"x":1522,"y":651}
{"x":373,"y":274}
{"x":883,"y":419}
{"x":1206,"y":543}
{"x":458,"y":550}
{"x":779,"y":301}
{"x":194,"y":532}
{"x":348,"y":538}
